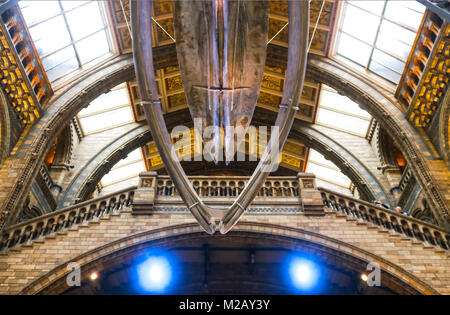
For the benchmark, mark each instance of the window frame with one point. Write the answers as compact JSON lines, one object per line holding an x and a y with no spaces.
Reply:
{"x":372,"y":76}
{"x":82,"y":67}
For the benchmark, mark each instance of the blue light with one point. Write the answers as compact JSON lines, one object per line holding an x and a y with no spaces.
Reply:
{"x":154,"y":274}
{"x":304,"y":273}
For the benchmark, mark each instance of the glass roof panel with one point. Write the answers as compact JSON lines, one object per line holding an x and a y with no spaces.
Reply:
{"x":77,"y":20}
{"x":375,"y":7}
{"x":125,"y":169}
{"x":56,"y":26}
{"x":340,"y":112}
{"x":50,"y":36}
{"x":319,"y":158}
{"x":353,"y":49}
{"x":106,"y":120}
{"x":67,"y":5}
{"x":360,"y":24}
{"x":92,"y":47}
{"x":36,"y":11}
{"x":342,"y":121}
{"x":395,"y":39}
{"x":332,"y":99}
{"x":371,"y":26}
{"x":407,"y":13}
{"x":107,"y":111}
{"x":118,"y":96}
{"x":328,"y":174}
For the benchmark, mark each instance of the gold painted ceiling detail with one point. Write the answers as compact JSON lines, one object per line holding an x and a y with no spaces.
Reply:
{"x":293,"y":155}
{"x":163,"y":14}
{"x":278,"y":17}
{"x":427,"y":71}
{"x":22,"y":77}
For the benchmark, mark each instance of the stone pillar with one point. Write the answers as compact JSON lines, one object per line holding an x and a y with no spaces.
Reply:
{"x":394,"y":176}
{"x":144,"y":196}
{"x":310,"y":195}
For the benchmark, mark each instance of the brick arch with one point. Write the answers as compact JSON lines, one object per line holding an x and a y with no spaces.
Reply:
{"x":383,"y":109}
{"x":56,"y":117}
{"x":91,"y":174}
{"x":53,"y":282}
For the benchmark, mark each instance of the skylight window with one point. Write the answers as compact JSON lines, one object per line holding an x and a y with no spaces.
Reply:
{"x":339,"y":112}
{"x":68,"y":35}
{"x":379,"y":34}
{"x":107,"y":111}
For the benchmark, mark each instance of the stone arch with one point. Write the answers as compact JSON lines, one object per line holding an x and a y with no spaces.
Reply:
{"x":383,"y":109}
{"x":53,"y":282}
{"x":58,"y":114}
{"x":328,"y":72}
{"x":90,"y":175}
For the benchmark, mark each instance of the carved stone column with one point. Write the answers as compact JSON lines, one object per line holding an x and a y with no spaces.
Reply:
{"x":144,"y":196}
{"x":310,"y":195}
{"x":394,"y":176}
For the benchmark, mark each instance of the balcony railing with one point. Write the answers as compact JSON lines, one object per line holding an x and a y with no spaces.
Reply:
{"x":386,"y":219}
{"x":229,"y":187}
{"x":61,"y":220}
{"x":277,"y":190}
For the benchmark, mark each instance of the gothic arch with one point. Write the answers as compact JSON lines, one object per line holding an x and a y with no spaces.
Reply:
{"x":54,"y":281}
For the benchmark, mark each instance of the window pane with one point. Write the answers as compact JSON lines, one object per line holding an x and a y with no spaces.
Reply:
{"x":342,"y":103}
{"x":317,"y":157}
{"x":134,"y":156}
{"x":58,"y":58}
{"x":395,"y":39}
{"x":63,"y":69}
{"x":342,"y":121}
{"x":50,"y":35}
{"x":373,"y":6}
{"x":354,"y":50}
{"x":328,"y":174}
{"x":93,"y":47}
{"x":67,"y":5}
{"x":107,"y":101}
{"x":384,"y":72}
{"x":85,"y":20}
{"x":124,"y":172}
{"x":360,"y":24}
{"x":388,"y":61}
{"x":106,"y":120}
{"x":35,"y":11}
{"x":405,"y":12}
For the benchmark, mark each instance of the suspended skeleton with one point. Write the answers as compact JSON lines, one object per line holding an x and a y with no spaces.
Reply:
{"x":221,"y":49}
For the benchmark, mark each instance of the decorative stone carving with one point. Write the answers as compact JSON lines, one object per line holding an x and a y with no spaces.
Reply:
{"x":144,"y":197}
{"x":310,"y":195}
